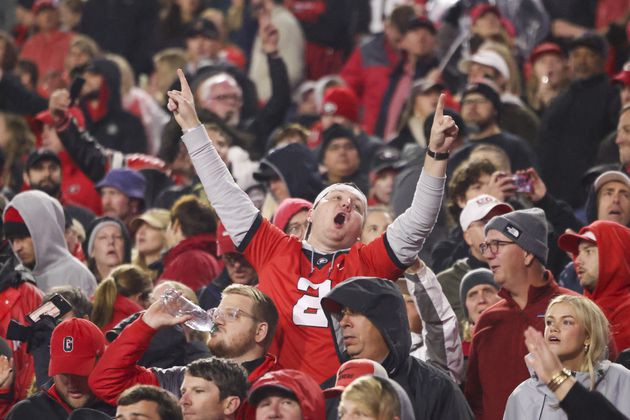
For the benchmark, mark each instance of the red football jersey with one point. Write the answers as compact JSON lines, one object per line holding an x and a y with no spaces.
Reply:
{"x":297,"y":279}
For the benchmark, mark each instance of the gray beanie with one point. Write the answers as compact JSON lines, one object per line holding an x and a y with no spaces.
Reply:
{"x":527,"y":228}
{"x":475,"y":278}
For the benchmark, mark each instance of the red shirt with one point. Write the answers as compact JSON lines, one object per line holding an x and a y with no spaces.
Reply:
{"x":297,"y":279}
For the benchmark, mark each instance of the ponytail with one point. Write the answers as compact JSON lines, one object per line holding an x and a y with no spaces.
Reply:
{"x":104,"y":299}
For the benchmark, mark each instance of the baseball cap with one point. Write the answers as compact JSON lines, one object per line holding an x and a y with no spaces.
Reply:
{"x":38,"y":155}
{"x":622,"y":77}
{"x":609,"y":176}
{"x":481,"y":9}
{"x":202,"y":27}
{"x":40,"y":5}
{"x":351,"y":370}
{"x":545,"y":48}
{"x":225,"y":245}
{"x":570,"y":241}
{"x":75,"y":346}
{"x":488,"y":58}
{"x":591,"y":40}
{"x":426,"y":85}
{"x":156,"y":218}
{"x":341,"y":101}
{"x":419,"y":22}
{"x":480,"y":207}
{"x":127,"y":181}
{"x":386,"y":157}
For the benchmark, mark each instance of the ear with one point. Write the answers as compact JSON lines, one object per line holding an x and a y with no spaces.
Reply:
{"x":467,"y":238}
{"x":231,"y":403}
{"x":461,"y":202}
{"x":25,"y":178}
{"x":309,"y":216}
{"x":261,"y":332}
{"x":529,"y":258}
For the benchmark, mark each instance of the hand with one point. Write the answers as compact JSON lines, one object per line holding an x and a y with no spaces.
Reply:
{"x":182,"y":104}
{"x":58,"y":105}
{"x":157,"y":316}
{"x":539,"y":189}
{"x":269,"y":36}
{"x":540,"y":358}
{"x":416,"y":267}
{"x":6,"y":372}
{"x":501,"y":185}
{"x":443,"y":131}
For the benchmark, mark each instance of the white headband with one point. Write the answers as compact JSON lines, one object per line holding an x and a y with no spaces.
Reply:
{"x":343,"y":187}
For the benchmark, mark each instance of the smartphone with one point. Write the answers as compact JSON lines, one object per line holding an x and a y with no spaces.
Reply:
{"x":75,"y":89}
{"x":55,"y":308}
{"x":523,"y":183}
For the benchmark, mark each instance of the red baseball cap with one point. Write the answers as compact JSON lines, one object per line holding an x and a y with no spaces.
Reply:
{"x":224,"y":241}
{"x":571,"y":241}
{"x":622,"y":77}
{"x":75,"y":346}
{"x":342,"y":101}
{"x":43,"y":4}
{"x":352,"y":370}
{"x":545,"y":48}
{"x":481,"y":9}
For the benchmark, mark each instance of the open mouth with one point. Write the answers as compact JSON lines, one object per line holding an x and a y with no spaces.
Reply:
{"x":553,"y":339}
{"x":340,"y":219}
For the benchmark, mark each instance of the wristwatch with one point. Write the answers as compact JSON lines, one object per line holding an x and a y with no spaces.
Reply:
{"x":438,"y":156}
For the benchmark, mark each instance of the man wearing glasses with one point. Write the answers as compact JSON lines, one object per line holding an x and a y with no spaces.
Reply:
{"x":245,"y":323}
{"x":516,"y":249}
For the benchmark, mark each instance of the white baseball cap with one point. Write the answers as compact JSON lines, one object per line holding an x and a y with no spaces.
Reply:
{"x":488,"y":58}
{"x":479,"y":207}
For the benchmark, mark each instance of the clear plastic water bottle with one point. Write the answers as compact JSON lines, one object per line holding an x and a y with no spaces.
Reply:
{"x":177,"y":305}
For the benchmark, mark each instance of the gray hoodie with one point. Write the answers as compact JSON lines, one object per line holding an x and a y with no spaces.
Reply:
{"x":54,"y":265}
{"x":533,"y":400}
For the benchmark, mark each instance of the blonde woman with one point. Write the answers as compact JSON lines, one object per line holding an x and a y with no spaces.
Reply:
{"x":577,"y":332}
{"x":375,"y":398}
{"x":123,"y":293}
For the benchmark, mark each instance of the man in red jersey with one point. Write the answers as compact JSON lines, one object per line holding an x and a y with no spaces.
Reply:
{"x":296,"y":273}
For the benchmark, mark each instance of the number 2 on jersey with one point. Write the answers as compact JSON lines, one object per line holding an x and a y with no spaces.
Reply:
{"x":308,"y":309}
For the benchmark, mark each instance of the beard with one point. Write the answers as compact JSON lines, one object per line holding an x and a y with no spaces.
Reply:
{"x":241,"y":345}
{"x":48,"y":186}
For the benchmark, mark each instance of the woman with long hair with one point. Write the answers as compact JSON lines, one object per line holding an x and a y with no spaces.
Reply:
{"x":577,"y":332}
{"x":124,"y":292}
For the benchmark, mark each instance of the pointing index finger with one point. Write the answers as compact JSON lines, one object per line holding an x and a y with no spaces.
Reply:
{"x":184,"y":84}
{"x":439,"y":109}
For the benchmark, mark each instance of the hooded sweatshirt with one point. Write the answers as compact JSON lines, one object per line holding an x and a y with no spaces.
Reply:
{"x":612,"y":291}
{"x":306,"y":391}
{"x":54,"y":265}
{"x":532,"y":399}
{"x":432,"y":393}
{"x":113,"y":127}
{"x":297,"y":167}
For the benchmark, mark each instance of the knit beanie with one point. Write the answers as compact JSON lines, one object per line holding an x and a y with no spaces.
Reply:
{"x":341,"y":101}
{"x":527,"y":228}
{"x":334,"y":132}
{"x":14,"y":225}
{"x":475,"y":278}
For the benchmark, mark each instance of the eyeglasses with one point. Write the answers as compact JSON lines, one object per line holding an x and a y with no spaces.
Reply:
{"x":228,"y":314}
{"x":475,"y":101}
{"x":493,"y":246}
{"x":227,"y":97}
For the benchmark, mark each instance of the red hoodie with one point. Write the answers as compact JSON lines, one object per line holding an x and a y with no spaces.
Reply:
{"x":612,"y":292}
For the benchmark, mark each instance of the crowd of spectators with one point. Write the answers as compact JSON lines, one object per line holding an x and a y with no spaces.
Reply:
{"x":386,"y":209}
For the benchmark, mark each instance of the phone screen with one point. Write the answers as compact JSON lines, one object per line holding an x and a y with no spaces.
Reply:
{"x":48,"y":308}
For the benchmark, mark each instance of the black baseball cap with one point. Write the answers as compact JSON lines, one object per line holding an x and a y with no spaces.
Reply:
{"x":39,"y":155}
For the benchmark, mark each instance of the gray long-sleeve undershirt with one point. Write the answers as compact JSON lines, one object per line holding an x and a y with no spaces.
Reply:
{"x":237,"y":213}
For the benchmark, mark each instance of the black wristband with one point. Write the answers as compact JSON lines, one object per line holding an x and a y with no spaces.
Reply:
{"x":438,"y":156}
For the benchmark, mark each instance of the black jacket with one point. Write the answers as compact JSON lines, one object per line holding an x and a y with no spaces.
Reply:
{"x":433,"y":394}
{"x":117,"y":129}
{"x":44,"y":405}
{"x":570,"y":132}
{"x":17,"y":99}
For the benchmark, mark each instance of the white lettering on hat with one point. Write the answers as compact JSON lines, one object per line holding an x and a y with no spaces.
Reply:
{"x":68,"y":344}
{"x":330,"y":108}
{"x":515,"y":232}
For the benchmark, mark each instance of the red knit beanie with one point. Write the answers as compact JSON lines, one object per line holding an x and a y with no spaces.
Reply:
{"x":14,"y":225}
{"x":342,"y":101}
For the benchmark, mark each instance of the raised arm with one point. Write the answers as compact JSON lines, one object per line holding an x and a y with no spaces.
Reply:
{"x":439,"y":323}
{"x":233,"y":206}
{"x":409,"y":231}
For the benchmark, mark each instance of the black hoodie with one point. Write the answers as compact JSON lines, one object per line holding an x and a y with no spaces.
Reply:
{"x":433,"y":394}
{"x":112,"y":126}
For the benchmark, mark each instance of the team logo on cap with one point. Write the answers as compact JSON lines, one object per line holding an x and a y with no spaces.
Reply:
{"x":68,"y":344}
{"x":514,"y":232}
{"x":330,"y":108}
